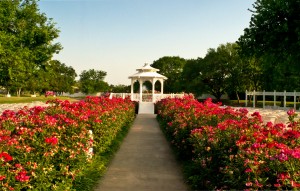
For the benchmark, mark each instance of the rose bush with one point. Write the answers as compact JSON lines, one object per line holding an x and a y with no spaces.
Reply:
{"x":46,"y":148}
{"x":225,"y":149}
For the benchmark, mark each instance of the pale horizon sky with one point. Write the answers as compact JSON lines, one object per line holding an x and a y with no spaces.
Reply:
{"x":119,"y":36}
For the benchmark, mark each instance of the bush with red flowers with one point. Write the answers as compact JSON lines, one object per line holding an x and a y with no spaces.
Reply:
{"x":46,"y":148}
{"x":224,"y":149}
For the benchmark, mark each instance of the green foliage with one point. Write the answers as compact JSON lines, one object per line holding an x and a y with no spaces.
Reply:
{"x":191,"y":77}
{"x":273,"y":37}
{"x":61,"y":77}
{"x":120,"y":88}
{"x":26,"y":43}
{"x":91,"y":81}
{"x":171,"y":67}
{"x":96,"y":170}
{"x":221,"y":70}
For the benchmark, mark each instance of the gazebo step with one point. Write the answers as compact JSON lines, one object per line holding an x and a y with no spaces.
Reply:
{"x":146,"y":108}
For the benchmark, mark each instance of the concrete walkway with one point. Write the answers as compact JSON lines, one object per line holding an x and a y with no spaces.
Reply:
{"x":144,"y":162}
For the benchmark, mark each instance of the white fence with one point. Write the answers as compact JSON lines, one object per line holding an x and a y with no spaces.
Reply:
{"x":274,"y":94}
{"x":146,"y":97}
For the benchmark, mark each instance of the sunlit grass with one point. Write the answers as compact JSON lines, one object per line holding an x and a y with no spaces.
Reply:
{"x":259,"y":103}
{"x":14,"y":99}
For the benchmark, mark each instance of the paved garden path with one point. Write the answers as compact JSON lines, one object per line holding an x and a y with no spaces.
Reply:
{"x":144,"y":162}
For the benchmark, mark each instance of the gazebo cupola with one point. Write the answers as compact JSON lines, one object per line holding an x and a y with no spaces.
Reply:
{"x":147,"y":73}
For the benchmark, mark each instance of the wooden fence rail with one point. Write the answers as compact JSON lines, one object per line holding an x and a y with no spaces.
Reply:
{"x":274,"y":94}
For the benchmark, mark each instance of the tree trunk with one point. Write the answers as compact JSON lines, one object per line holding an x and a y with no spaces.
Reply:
{"x":281,"y":101}
{"x":218,"y":96}
{"x":238,"y":97}
{"x":19,"y":92}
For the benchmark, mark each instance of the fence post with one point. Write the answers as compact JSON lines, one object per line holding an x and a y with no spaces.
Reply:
{"x":246,"y":98}
{"x":254,"y":98}
{"x":274,"y":98}
{"x":284,"y":97}
{"x":264,"y":99}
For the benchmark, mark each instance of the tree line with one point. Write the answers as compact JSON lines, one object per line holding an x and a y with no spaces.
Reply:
{"x":265,"y":57}
{"x":26,"y":50}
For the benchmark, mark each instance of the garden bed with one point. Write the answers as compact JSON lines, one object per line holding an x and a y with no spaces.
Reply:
{"x":52,"y":148}
{"x":222,"y":148}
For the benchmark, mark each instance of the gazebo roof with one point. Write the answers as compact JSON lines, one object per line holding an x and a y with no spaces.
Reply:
{"x":147,"y":72}
{"x":147,"y":68}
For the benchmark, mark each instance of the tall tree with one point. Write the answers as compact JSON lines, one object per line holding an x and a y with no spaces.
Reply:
{"x":92,"y":81}
{"x":26,"y":41}
{"x":220,"y":70}
{"x":61,"y":78}
{"x":171,"y":67}
{"x":273,"y":37}
{"x":190,"y":77}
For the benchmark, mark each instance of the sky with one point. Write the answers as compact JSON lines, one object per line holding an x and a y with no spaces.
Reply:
{"x":120,"y":36}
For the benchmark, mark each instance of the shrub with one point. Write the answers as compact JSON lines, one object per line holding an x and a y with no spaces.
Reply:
{"x":45,"y":148}
{"x":225,"y":149}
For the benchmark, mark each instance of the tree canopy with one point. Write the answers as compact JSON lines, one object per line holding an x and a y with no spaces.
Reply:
{"x":190,"y":77}
{"x":220,"y":70}
{"x":26,"y":37}
{"x":92,"y":81}
{"x":26,"y":50}
{"x":171,"y":67}
{"x":273,"y":38}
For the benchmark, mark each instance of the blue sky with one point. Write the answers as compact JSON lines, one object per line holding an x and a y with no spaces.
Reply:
{"x":119,"y":36}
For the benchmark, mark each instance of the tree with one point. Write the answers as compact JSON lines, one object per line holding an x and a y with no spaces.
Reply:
{"x":26,"y":42}
{"x":91,"y":81}
{"x":220,"y":70}
{"x":61,"y":78}
{"x":171,"y":67}
{"x":190,"y":77}
{"x":237,"y":77}
{"x":252,"y":73}
{"x":273,"y":37}
{"x":120,"y":88}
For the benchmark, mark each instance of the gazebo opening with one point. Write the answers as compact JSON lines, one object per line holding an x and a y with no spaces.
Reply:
{"x":147,"y":87}
{"x":136,"y":87}
{"x":157,"y":87}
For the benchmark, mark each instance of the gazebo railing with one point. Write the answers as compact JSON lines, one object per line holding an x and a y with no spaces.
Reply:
{"x":158,"y":97}
{"x":146,"y":97}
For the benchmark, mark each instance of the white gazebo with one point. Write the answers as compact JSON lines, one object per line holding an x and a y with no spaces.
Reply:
{"x":147,"y":73}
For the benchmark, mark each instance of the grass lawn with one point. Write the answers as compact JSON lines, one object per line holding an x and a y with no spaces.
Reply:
{"x":32,"y":99}
{"x":259,"y":104}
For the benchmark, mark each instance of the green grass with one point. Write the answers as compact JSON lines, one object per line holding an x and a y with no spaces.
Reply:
{"x":31,"y":99}
{"x":92,"y":174}
{"x":259,"y":103}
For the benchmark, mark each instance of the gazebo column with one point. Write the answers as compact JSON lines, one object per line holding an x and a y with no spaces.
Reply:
{"x":141,"y":90}
{"x":153,"y":89}
{"x":132,"y":83}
